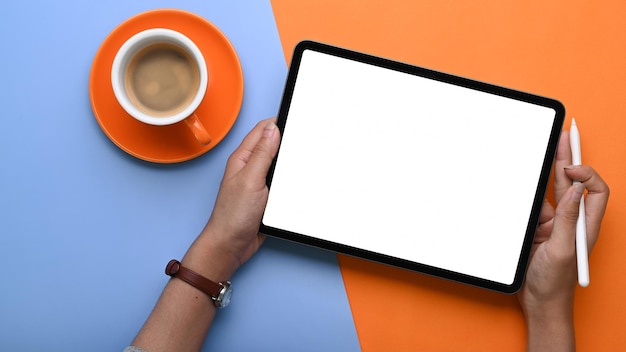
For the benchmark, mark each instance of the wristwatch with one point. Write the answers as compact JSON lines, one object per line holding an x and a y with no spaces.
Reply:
{"x":220,"y":293}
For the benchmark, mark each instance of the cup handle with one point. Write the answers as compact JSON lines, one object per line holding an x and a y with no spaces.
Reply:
{"x":198,"y":130}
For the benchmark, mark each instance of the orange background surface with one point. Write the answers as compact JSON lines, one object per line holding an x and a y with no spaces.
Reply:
{"x":571,"y":51}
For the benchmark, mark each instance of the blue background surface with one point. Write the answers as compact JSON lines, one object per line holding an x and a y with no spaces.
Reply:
{"x":86,"y":229}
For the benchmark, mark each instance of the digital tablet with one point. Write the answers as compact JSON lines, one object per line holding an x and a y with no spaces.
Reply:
{"x":410,"y":167}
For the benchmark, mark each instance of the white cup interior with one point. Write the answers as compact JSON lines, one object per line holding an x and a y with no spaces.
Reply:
{"x":131,"y":47}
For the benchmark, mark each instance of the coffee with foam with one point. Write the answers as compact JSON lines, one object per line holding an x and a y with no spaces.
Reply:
{"x":162,"y":79}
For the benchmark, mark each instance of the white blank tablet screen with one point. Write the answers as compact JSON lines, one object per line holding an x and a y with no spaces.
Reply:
{"x":408,"y":167}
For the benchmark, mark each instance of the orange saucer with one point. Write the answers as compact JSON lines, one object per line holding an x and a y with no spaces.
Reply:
{"x":174,"y":143}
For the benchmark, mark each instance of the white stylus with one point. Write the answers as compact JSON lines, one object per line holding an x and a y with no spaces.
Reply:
{"x":582,"y":254}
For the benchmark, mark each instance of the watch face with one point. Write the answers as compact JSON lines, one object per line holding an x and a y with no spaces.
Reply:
{"x":223,"y":299}
{"x":227,"y":295}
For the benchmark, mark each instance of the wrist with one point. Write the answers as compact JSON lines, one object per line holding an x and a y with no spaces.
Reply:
{"x":553,"y":307}
{"x":549,"y":317}
{"x":210,"y":260}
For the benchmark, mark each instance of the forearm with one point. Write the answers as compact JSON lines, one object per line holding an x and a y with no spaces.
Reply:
{"x":183,"y":314}
{"x":550,"y":329}
{"x":179,"y":322}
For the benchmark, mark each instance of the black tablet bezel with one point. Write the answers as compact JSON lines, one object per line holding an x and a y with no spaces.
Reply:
{"x":442,"y":77}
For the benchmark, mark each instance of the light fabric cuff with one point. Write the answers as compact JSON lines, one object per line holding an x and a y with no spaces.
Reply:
{"x":133,"y":349}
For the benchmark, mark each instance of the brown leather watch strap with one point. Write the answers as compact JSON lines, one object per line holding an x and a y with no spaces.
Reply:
{"x":175,"y":269}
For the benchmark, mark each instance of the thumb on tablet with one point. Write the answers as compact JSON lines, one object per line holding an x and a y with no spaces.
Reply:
{"x":265,"y":149}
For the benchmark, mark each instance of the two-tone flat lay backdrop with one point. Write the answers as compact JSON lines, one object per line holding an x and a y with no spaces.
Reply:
{"x":86,"y":229}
